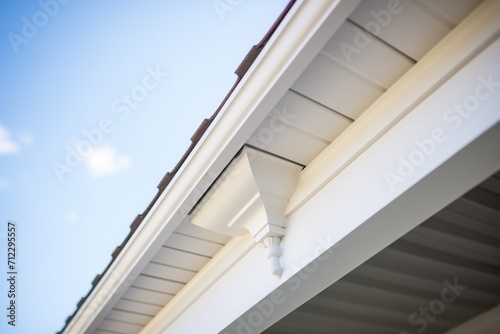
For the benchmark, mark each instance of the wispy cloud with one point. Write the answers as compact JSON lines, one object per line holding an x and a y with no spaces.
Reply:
{"x":104,"y":161}
{"x":7,"y":145}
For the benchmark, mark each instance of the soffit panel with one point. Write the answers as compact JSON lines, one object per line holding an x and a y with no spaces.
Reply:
{"x":460,"y":242}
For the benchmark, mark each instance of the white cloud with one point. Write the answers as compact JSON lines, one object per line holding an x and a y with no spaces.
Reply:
{"x":7,"y":145}
{"x":4,"y":184}
{"x":104,"y":161}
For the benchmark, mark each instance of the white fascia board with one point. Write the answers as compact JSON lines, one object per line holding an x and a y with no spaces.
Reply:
{"x":298,"y":39}
{"x":358,"y":213}
{"x":468,"y":39}
{"x":323,"y":258}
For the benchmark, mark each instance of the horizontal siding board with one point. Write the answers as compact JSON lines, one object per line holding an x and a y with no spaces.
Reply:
{"x":469,"y":224}
{"x":412,"y":264}
{"x":492,"y":184}
{"x":452,"y":11}
{"x":366,"y":54}
{"x":100,"y":331}
{"x":310,"y":117}
{"x":412,"y":30}
{"x":474,"y":210}
{"x":146,"y":296}
{"x":298,"y":129}
{"x":180,"y":259}
{"x":137,"y":307}
{"x":119,"y":327}
{"x":157,"y":284}
{"x":310,"y":322}
{"x":166,"y":272}
{"x":335,"y":86}
{"x":193,"y":245}
{"x":195,"y":231}
{"x":129,"y":317}
{"x":485,"y":198}
{"x":290,"y":143}
{"x":470,"y":251}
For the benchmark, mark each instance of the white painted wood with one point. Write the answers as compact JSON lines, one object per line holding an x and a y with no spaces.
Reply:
{"x":333,"y":214}
{"x":485,"y":323}
{"x":157,"y":284}
{"x":452,"y":244}
{"x":172,"y":207}
{"x":298,"y":129}
{"x":418,"y":83}
{"x":197,"y":232}
{"x":119,"y":327}
{"x":335,"y":86}
{"x":250,"y":197}
{"x":308,"y":116}
{"x":451,"y":216}
{"x":103,"y":332}
{"x":180,"y":259}
{"x":408,"y":264}
{"x":482,"y":213}
{"x":136,"y":307}
{"x":168,"y":272}
{"x":193,"y":245}
{"x":365,"y":54}
{"x":407,"y":27}
{"x":291,"y":48}
{"x":129,"y":317}
{"x":146,"y":296}
{"x":450,"y":11}
{"x":492,"y":184}
{"x":437,"y":189}
{"x":200,"y":284}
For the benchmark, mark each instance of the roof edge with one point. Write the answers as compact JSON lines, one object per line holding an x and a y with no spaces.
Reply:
{"x":169,"y":176}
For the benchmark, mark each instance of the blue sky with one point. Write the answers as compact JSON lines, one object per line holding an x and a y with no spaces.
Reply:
{"x":98,"y":101}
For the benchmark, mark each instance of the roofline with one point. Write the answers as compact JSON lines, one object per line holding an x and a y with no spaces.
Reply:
{"x":195,"y":138}
{"x":289,"y":50}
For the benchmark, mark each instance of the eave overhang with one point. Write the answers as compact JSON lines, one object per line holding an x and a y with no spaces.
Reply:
{"x":295,"y":42}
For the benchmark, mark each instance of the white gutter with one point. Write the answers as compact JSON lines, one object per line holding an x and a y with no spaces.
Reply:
{"x":301,"y":35}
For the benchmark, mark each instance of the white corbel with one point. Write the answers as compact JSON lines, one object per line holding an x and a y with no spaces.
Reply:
{"x":251,"y":197}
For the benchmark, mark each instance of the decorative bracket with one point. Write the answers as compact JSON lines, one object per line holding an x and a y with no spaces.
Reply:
{"x":273,"y":254}
{"x":250,"y":197}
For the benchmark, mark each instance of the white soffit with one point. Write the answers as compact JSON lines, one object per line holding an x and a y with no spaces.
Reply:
{"x":297,"y":40}
{"x":305,"y":39}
